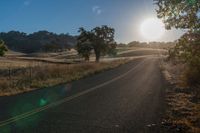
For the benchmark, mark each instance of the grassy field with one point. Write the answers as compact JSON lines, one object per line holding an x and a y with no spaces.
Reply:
{"x":22,"y":76}
{"x":25,"y":72}
{"x":69,"y":57}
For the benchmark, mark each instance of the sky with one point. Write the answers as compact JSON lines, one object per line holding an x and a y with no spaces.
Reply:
{"x":66,"y":16}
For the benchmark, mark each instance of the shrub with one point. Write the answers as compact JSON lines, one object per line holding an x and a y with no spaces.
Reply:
{"x":187,"y":50}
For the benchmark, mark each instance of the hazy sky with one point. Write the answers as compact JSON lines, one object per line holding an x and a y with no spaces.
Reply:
{"x":66,"y":16}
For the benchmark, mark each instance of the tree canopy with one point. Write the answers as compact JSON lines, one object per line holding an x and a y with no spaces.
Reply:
{"x":99,"y":39}
{"x":184,"y":14}
{"x":84,"y":45}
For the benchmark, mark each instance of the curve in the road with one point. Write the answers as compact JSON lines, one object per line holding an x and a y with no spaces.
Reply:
{"x":35,"y":111}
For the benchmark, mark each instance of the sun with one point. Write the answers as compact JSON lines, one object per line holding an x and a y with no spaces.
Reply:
{"x":152,"y":29}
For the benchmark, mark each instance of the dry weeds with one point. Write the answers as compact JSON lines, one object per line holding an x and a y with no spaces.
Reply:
{"x":26,"y":77}
{"x":183,"y":110}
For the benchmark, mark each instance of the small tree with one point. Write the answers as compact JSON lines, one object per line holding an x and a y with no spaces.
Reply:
{"x":3,"y":48}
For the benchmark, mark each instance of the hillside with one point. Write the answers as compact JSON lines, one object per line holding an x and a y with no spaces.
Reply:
{"x":38,"y":41}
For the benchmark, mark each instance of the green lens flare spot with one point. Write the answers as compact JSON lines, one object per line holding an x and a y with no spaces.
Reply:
{"x":43,"y":102}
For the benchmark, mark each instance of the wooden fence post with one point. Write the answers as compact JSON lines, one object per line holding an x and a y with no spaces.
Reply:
{"x":9,"y":76}
{"x":30,"y":75}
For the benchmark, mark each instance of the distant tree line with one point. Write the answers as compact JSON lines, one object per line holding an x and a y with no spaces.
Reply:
{"x":38,"y":41}
{"x":155,"y":45}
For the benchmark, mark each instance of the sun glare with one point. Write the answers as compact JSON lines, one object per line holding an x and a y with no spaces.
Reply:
{"x":152,"y":29}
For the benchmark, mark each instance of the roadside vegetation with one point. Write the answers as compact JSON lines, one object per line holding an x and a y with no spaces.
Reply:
{"x":39,"y":75}
{"x":182,"y":68}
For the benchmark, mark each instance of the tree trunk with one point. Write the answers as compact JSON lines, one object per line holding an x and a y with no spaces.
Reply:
{"x":87,"y":58}
{"x":97,"y":54}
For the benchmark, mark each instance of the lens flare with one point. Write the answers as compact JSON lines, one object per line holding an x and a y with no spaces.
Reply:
{"x":42,"y":102}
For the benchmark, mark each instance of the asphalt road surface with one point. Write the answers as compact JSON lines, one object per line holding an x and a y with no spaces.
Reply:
{"x":129,"y":98}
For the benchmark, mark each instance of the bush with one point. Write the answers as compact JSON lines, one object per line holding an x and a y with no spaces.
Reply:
{"x":187,"y":51}
{"x":3,"y":48}
{"x":192,"y":76}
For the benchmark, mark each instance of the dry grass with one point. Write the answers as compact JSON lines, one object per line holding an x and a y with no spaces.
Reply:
{"x":184,"y":105}
{"x":174,"y":73}
{"x":10,"y":63}
{"x":25,"y":77}
{"x":182,"y":111}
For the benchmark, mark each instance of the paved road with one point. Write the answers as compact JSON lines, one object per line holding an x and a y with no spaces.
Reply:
{"x":128,"y":98}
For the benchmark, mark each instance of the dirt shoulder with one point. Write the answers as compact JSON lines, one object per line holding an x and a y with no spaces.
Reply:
{"x":183,"y":111}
